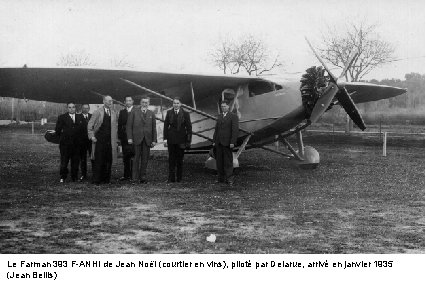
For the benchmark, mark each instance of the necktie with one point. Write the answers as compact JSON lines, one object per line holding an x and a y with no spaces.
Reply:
{"x":107,"y":112}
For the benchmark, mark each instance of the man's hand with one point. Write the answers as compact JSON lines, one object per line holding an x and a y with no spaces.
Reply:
{"x":153,"y":144}
{"x":130,"y":141}
{"x":94,"y":139}
{"x":165,"y":143}
{"x":214,"y":144}
{"x":231,"y":146}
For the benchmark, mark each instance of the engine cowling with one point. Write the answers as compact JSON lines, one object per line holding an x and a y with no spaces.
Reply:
{"x":312,"y":84}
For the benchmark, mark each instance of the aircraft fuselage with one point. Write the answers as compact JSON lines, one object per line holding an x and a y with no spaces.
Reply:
{"x":265,"y":115}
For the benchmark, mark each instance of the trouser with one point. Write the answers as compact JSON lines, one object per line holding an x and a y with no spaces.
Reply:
{"x":140,"y":161}
{"x":85,"y":149}
{"x":128,"y":153}
{"x":103,"y":161}
{"x":69,"y":152}
{"x":175,"y":161}
{"x":224,"y":163}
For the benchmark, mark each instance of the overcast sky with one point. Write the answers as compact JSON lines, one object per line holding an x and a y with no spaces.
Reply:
{"x":177,"y":36}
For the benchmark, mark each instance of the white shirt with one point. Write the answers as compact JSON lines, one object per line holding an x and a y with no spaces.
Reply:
{"x":72,"y":117}
{"x":224,"y":114}
{"x":129,"y":109}
{"x":85,"y":116}
{"x":176,"y":111}
{"x":107,"y":111}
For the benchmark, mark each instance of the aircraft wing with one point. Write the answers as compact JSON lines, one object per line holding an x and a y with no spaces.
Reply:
{"x":366,"y":92}
{"x":77,"y":84}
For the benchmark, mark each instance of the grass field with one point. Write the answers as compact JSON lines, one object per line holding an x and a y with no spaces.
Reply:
{"x":356,"y":201}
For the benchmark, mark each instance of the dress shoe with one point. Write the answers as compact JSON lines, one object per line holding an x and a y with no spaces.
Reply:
{"x":123,"y":178}
{"x":142,"y":181}
{"x":170,"y":181}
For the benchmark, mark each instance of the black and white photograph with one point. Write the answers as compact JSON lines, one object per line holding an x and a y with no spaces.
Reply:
{"x":212,"y":127}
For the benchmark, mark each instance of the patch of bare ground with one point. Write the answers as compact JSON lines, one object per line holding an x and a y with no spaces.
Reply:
{"x":356,"y":201}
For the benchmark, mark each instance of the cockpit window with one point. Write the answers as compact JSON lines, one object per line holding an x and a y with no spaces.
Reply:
{"x":262,"y":87}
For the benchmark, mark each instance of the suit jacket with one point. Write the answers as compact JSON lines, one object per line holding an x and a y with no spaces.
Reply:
{"x":139,"y":127}
{"x":122,"y":124}
{"x":226,"y":130}
{"x":84,"y":138}
{"x":177,"y":130}
{"x":95,"y":123}
{"x":69,"y":132}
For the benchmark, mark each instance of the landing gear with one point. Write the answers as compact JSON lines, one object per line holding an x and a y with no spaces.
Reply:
{"x":305,"y":157}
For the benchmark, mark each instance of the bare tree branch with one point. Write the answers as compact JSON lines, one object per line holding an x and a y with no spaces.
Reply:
{"x":121,"y":62}
{"x":372,"y":50}
{"x":249,"y":55}
{"x":79,"y":58}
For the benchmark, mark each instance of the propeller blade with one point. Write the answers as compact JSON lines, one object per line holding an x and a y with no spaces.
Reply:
{"x":352,"y":57}
{"x":349,"y":106}
{"x":323,"y":102}
{"x":340,"y":92}
{"x":320,"y":60}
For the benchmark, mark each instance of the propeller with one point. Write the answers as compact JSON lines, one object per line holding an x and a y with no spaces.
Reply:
{"x":334,"y":90}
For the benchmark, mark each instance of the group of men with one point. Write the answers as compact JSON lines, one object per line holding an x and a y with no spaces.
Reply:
{"x":135,"y":128}
{"x":74,"y":143}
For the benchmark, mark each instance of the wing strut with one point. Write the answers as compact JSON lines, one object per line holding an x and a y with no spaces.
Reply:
{"x":183,"y":105}
{"x":193,"y":96}
{"x":243,"y":146}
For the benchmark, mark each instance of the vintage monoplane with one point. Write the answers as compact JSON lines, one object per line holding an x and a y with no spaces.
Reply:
{"x":268,"y":111}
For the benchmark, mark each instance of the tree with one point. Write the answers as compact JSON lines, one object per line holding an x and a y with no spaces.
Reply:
{"x":121,"y":62}
{"x":372,"y":50}
{"x":249,"y":54}
{"x":79,"y":58}
{"x":222,"y":56}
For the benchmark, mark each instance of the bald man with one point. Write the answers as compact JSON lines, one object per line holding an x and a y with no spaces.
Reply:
{"x":102,"y":131}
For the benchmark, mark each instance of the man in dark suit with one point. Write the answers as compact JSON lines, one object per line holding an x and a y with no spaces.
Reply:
{"x":177,"y":134}
{"x":128,"y":150}
{"x":85,"y":143}
{"x":142,"y":133}
{"x":225,"y":137}
{"x":69,"y":127}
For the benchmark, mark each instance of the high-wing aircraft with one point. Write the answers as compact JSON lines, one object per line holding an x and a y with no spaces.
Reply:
{"x":268,"y":111}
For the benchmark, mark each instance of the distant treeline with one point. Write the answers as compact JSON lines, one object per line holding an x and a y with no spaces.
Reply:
{"x":404,"y":109}
{"x":29,"y":110}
